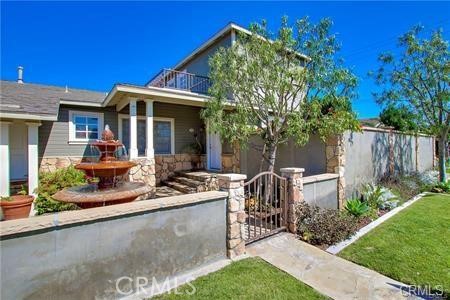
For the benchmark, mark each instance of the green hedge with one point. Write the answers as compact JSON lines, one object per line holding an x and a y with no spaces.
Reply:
{"x":52,"y":182}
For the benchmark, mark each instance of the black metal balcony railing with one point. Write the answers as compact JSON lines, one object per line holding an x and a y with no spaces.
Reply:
{"x":172,"y":79}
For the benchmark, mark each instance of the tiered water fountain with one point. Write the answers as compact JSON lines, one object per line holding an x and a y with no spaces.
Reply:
{"x":109,"y":169}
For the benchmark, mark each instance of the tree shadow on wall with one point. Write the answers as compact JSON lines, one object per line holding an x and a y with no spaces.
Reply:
{"x":403,"y":149}
{"x":380,"y":155}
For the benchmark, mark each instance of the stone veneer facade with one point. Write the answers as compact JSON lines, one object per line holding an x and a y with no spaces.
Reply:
{"x":335,"y":162}
{"x":144,"y":171}
{"x":233,"y":184}
{"x":167,"y":165}
{"x":294,"y":178}
{"x":231,"y":162}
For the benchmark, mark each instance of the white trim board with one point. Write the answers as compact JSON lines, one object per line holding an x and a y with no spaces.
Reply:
{"x":335,"y":249}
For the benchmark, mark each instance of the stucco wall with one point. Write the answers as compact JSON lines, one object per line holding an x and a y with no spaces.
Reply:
{"x":311,"y":157}
{"x":425,"y":153}
{"x":67,"y":259}
{"x":367,"y":156}
{"x":321,"y":190}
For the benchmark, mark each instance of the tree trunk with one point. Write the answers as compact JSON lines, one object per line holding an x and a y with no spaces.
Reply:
{"x":272,"y":149}
{"x":442,"y":157}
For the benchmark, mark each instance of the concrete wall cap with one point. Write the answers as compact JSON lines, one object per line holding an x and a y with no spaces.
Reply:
{"x":320,"y":177}
{"x":292,"y":170}
{"x":231,"y":177}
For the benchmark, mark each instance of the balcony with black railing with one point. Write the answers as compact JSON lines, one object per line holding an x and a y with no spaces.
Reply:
{"x":172,"y":79}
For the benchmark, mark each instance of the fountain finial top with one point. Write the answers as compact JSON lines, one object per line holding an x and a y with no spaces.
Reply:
{"x":107,"y":134}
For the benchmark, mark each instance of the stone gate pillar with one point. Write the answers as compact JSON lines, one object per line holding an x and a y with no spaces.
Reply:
{"x":294,"y":178}
{"x":234,"y":185}
{"x":335,"y":155}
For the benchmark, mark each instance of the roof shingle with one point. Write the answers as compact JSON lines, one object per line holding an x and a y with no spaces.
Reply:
{"x":41,"y":100}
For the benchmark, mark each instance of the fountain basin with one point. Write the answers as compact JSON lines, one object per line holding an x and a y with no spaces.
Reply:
{"x":88,"y":196}
{"x":105,"y":168}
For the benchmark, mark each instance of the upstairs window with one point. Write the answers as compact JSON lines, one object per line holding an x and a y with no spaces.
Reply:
{"x":85,"y":126}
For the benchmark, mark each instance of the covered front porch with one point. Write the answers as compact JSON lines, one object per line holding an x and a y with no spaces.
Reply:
{"x":163,"y":131}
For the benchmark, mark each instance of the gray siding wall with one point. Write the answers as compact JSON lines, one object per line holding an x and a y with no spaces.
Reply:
{"x":186,"y":117}
{"x":199,"y":65}
{"x":54,"y":136}
{"x":311,"y":157}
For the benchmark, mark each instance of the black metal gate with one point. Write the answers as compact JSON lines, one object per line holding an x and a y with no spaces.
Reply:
{"x":265,"y":206}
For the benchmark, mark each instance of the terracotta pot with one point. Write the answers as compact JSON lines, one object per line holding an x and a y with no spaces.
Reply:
{"x":17,"y":208}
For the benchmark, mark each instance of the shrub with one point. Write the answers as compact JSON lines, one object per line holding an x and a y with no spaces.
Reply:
{"x":324,"y":226}
{"x":441,"y":187}
{"x":379,"y":197}
{"x":356,"y":207}
{"x":52,"y":182}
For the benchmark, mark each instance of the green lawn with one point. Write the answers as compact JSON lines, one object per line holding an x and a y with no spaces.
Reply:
{"x":412,"y":247}
{"x":250,"y":278}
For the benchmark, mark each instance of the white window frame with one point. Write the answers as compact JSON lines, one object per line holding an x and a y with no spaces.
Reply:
{"x":172,"y":129}
{"x":72,"y":136}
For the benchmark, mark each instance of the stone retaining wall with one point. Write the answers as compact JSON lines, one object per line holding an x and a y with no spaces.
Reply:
{"x":167,"y":165}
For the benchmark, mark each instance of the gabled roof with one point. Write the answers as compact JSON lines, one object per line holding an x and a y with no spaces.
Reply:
{"x":224,"y":31}
{"x":41,"y":102}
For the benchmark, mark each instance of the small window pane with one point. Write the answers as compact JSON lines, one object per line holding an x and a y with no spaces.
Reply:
{"x":80,"y":127}
{"x":162,"y":137}
{"x":93,"y":121}
{"x":80,"y":135}
{"x":93,"y":134}
{"x":80,"y":120}
{"x":92,"y":127}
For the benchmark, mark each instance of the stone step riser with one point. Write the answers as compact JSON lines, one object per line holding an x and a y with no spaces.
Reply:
{"x":180,"y":187}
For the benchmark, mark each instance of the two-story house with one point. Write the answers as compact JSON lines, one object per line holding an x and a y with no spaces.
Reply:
{"x":46,"y":127}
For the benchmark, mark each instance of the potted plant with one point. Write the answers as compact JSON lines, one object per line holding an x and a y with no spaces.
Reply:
{"x":17,"y":206}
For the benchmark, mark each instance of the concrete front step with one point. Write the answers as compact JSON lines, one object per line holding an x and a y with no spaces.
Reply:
{"x":181,"y":187}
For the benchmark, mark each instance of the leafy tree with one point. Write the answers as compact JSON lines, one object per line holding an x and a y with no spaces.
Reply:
{"x":287,"y":85}
{"x":419,"y":79}
{"x":401,"y":117}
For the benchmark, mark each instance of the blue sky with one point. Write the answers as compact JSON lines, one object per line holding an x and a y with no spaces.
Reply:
{"x":94,"y":45}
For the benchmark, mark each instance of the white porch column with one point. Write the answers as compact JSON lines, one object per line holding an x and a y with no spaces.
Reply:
{"x":33,"y":157}
{"x":133,"y":129}
{"x":4,"y":158}
{"x":149,"y":150}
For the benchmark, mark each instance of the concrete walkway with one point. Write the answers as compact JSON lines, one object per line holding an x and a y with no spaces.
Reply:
{"x":328,"y":274}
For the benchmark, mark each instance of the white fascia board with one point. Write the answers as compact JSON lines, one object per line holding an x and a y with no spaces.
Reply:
{"x":5,"y":115}
{"x":80,"y":103}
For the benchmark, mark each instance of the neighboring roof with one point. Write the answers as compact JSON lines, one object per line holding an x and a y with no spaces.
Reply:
{"x":227,"y":29}
{"x":371,"y":122}
{"x":41,"y":102}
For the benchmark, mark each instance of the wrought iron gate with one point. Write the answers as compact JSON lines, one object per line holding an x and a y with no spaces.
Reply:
{"x":265,"y":206}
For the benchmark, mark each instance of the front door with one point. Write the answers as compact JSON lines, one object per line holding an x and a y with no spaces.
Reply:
{"x":214,"y":151}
